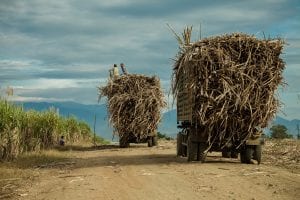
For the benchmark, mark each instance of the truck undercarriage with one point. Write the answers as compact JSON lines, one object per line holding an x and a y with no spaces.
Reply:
{"x":193,"y":144}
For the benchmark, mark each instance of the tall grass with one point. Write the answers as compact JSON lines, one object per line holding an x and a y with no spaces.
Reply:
{"x":23,"y":131}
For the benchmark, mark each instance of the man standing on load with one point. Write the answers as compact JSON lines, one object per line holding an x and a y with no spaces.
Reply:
{"x":114,"y":72}
{"x":124,"y":70}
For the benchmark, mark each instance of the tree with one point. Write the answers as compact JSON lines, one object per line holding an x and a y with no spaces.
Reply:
{"x":279,"y":132}
{"x":161,"y":136}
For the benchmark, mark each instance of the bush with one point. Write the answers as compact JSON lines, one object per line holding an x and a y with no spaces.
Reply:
{"x":163,"y":136}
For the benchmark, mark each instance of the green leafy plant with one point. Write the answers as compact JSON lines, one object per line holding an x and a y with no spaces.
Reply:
{"x":22,"y":131}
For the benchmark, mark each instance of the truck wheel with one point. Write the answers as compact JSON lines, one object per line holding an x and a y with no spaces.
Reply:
{"x":257,"y":153}
{"x":249,"y":154}
{"x":154,"y":140}
{"x":201,"y":154}
{"x":242,"y":156}
{"x":150,"y":144}
{"x":184,"y":150}
{"x":179,"y":149}
{"x":226,"y":154}
{"x":123,"y":142}
{"x":234,"y":154}
{"x":191,"y":150}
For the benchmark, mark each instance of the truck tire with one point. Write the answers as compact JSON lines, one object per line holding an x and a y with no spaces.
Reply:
{"x":226,"y":154}
{"x":150,"y":144}
{"x":179,"y":147}
{"x":123,"y":142}
{"x":249,"y":154}
{"x":154,"y":141}
{"x":257,"y":153}
{"x":191,"y":150}
{"x":201,"y":154}
{"x":234,"y":154}
{"x":242,"y":156}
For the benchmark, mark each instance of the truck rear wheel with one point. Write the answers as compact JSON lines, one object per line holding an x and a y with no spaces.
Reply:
{"x":249,"y":154}
{"x":226,"y":154}
{"x":242,"y":156}
{"x":257,"y":153}
{"x":179,"y":147}
{"x":123,"y":142}
{"x":154,"y":141}
{"x":201,"y":154}
{"x":234,"y":154}
{"x":150,"y":144}
{"x":191,"y":150}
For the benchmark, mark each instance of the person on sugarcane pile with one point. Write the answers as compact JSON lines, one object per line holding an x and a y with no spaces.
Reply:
{"x":124,"y":70}
{"x":115,"y":71}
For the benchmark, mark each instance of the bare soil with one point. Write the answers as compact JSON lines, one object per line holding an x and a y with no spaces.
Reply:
{"x":139,"y":172}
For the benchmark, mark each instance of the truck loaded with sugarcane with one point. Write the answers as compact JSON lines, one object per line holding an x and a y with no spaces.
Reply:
{"x":134,"y":106}
{"x":225,"y":88}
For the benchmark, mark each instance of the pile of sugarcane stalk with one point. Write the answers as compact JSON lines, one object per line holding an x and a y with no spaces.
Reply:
{"x":233,"y":81}
{"x":134,"y":104}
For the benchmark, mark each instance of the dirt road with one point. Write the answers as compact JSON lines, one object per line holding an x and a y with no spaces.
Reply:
{"x":156,"y":173}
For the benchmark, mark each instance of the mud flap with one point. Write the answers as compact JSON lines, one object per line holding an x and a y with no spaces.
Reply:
{"x":192,"y":149}
{"x":201,"y":154}
{"x":179,"y":147}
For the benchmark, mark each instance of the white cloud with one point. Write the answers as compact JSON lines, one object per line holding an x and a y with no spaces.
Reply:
{"x":44,"y":83}
{"x":20,"y":65}
{"x":36,"y":99}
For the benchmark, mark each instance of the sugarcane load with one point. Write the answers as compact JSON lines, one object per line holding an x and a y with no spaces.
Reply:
{"x":134,"y":106}
{"x":225,"y":87}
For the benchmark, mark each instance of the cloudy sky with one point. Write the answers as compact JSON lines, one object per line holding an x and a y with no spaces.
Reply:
{"x":61,"y":50}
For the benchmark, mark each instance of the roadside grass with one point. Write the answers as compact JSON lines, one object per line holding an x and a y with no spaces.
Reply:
{"x":283,"y":153}
{"x":16,"y":174}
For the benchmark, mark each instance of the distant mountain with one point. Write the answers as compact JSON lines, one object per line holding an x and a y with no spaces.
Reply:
{"x":291,"y":125}
{"x":86,"y":113}
{"x":168,"y":123}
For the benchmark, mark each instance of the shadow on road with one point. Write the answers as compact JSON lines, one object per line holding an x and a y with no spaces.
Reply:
{"x":152,"y":159}
{"x":114,"y":156}
{"x":91,"y":148}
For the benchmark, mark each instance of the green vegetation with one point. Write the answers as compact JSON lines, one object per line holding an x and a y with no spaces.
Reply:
{"x":163,"y":136}
{"x":279,"y":132}
{"x":29,"y":131}
{"x":100,"y":140}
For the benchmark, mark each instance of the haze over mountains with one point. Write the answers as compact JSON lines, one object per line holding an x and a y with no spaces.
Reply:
{"x":87,"y":113}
